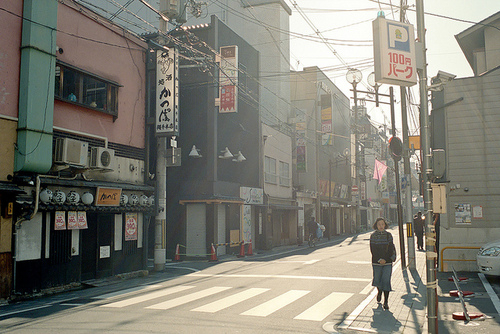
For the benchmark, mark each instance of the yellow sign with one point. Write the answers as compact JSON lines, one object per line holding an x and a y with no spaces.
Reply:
{"x":415,"y":141}
{"x":108,"y":196}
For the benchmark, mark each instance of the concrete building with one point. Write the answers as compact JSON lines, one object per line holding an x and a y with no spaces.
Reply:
{"x":208,"y":195}
{"x":264,"y":25}
{"x":72,"y":115}
{"x":465,"y":123}
{"x":322,"y":151}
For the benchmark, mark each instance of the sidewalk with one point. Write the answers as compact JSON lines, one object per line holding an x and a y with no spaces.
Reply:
{"x":408,"y":306}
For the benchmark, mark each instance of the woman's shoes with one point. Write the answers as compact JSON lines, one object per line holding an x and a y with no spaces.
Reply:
{"x":386,"y":306}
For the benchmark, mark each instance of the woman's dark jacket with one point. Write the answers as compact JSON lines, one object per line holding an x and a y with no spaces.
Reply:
{"x":381,"y":246}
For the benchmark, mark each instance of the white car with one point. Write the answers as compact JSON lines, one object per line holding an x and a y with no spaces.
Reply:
{"x":488,"y":259}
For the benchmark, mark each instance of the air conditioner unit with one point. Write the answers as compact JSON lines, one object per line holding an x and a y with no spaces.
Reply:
{"x":71,"y":152}
{"x":101,"y":157}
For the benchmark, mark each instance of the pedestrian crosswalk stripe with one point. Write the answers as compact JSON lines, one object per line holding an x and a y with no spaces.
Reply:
{"x":126,"y":291}
{"x":148,"y":296}
{"x":188,"y":298}
{"x":324,"y":307}
{"x":273,"y":305}
{"x":230,"y":300}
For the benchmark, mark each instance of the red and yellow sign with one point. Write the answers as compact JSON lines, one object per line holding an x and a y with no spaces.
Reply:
{"x":131,"y":226}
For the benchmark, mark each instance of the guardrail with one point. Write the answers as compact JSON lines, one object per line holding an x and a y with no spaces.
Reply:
{"x":442,"y":259}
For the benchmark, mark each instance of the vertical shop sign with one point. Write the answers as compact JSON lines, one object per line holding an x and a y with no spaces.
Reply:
{"x":228,"y":79}
{"x":60,"y":220}
{"x":394,"y":52}
{"x":130,"y":226}
{"x":326,"y":120}
{"x":167,"y":92}
{"x":247,"y":223}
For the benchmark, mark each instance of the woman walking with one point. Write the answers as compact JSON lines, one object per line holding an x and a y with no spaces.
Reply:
{"x":383,"y":254}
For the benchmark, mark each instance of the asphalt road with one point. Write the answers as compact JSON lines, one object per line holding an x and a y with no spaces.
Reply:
{"x":294,"y":291}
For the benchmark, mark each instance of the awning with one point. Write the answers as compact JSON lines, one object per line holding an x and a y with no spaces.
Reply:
{"x":280,"y":206}
{"x":216,"y":199}
{"x":6,"y":187}
{"x":333,"y":204}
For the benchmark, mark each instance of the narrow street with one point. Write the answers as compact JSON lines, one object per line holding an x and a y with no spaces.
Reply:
{"x":295,"y":291}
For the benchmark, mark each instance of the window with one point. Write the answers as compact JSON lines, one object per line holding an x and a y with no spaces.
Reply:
{"x":270,"y":170}
{"x":284,"y":174}
{"x":79,"y":87}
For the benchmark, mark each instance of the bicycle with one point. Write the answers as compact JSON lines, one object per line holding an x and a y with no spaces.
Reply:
{"x":312,"y":240}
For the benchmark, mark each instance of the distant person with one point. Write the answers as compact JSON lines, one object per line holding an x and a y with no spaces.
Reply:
{"x":418,"y":225}
{"x":313,"y":226}
{"x":383,"y":254}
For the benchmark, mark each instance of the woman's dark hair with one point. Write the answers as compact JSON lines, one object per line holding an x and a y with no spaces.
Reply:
{"x":379,"y":219}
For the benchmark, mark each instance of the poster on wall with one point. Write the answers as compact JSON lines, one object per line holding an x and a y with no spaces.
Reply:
{"x":130,"y":226}
{"x":60,"y":221}
{"x":477,"y":212}
{"x":72,"y":220}
{"x":82,"y":220}
{"x":463,"y":213}
{"x":247,"y":223}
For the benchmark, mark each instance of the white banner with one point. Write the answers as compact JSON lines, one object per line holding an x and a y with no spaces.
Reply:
{"x":167,"y":93}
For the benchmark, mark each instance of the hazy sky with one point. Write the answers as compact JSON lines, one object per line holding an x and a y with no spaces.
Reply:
{"x":350,"y":23}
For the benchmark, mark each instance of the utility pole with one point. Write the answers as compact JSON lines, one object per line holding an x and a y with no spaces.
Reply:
{"x":398,"y":184}
{"x":432,"y":301}
{"x":160,"y":256}
{"x":406,"y":164}
{"x":354,"y":77}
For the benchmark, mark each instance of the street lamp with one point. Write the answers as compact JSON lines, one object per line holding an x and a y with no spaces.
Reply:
{"x":375,"y":85}
{"x":354,"y":77}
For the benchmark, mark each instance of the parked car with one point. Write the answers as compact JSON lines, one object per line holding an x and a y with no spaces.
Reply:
{"x":488,"y":259}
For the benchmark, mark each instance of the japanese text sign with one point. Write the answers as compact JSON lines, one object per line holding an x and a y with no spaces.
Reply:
{"x":394,"y":52}
{"x":108,"y":196}
{"x":130,"y":226}
{"x":167,"y":92}
{"x":228,"y":79}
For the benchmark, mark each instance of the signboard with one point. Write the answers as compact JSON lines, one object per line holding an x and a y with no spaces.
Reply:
{"x":363,"y":190}
{"x":82,"y":220}
{"x":326,"y":120}
{"x":108,"y":196}
{"x":167,"y":92}
{"x":130,"y":226}
{"x":301,"y":153}
{"x":463,"y":213}
{"x":246,"y":223}
{"x":60,"y":221}
{"x":252,"y":195}
{"x":72,"y":220}
{"x":394,"y":52}
{"x":228,"y":79}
